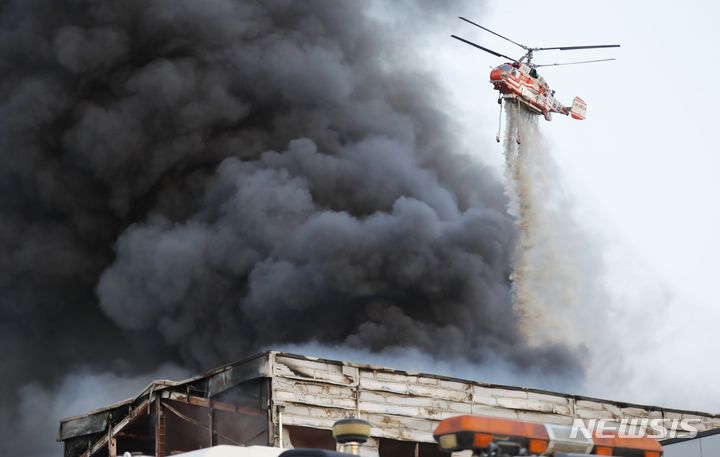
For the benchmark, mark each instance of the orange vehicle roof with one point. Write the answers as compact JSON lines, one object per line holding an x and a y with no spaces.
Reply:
{"x":635,"y":442}
{"x":491,"y":425}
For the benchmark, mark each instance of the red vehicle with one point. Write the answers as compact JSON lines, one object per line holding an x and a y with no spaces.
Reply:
{"x":518,"y":81}
{"x":500,"y":437}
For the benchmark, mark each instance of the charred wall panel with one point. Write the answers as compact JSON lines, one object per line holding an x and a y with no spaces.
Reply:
{"x":187,"y":427}
{"x":247,"y":424}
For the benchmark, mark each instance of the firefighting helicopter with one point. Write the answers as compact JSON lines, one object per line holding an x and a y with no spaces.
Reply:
{"x":518,"y":81}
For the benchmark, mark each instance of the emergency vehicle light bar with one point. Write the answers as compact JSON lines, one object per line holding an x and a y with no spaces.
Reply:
{"x":515,"y":437}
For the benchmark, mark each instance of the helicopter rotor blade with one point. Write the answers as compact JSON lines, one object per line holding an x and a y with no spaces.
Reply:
{"x":482,"y":48}
{"x":571,"y":63}
{"x":572,"y":48}
{"x":494,"y":33}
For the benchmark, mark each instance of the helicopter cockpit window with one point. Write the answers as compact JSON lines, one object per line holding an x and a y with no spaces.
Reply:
{"x":505,"y":68}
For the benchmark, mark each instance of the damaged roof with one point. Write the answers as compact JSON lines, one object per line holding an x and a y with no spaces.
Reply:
{"x":403,"y":405}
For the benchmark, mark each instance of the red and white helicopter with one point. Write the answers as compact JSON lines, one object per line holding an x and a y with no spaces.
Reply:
{"x":518,"y":80}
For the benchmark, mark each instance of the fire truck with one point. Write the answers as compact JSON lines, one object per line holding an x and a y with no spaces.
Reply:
{"x":471,"y":436}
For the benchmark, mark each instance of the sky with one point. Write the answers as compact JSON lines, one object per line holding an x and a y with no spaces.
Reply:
{"x":641,"y":170}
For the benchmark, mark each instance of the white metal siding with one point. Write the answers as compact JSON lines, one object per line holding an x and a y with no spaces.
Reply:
{"x":408,"y":406}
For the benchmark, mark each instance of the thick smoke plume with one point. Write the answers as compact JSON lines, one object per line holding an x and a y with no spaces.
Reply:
{"x":191,"y":180}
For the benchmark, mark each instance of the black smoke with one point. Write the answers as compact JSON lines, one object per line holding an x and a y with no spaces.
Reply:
{"x":191,"y":180}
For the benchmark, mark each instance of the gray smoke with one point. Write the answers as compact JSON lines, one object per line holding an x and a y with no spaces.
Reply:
{"x":208,"y":177}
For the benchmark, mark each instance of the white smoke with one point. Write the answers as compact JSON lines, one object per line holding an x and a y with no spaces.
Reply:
{"x":494,"y":369}
{"x":548,"y":281}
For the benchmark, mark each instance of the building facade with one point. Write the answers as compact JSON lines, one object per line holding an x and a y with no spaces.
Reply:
{"x":287,"y":400}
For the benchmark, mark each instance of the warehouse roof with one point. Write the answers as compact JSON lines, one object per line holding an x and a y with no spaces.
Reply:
{"x":400,"y":405}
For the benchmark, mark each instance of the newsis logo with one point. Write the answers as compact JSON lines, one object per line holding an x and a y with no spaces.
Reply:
{"x":659,"y":429}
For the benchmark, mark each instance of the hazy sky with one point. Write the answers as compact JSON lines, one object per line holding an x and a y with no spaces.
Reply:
{"x":641,"y":169}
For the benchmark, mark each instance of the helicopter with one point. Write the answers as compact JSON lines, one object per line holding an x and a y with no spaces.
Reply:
{"x":518,"y":80}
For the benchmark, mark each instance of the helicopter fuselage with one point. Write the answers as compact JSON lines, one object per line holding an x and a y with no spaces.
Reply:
{"x":520,"y":83}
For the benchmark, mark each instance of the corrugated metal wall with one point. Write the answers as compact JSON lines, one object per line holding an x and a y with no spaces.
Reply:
{"x":405,"y":406}
{"x":298,"y":391}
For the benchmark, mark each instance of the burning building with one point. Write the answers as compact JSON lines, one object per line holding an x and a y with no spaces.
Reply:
{"x":287,"y":400}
